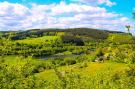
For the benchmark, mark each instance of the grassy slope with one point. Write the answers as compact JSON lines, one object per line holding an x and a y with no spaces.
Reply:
{"x":38,"y":40}
{"x":89,"y":71}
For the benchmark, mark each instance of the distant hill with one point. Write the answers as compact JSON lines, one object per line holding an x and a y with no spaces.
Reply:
{"x":89,"y":32}
{"x":114,"y":32}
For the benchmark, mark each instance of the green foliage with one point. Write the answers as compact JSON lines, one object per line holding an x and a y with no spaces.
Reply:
{"x":130,"y":59}
{"x":100,"y":80}
{"x":19,"y":77}
{"x":23,"y":76}
{"x":69,"y":61}
{"x":121,"y":39}
{"x":67,"y":53}
{"x":20,"y":60}
{"x":40,"y":40}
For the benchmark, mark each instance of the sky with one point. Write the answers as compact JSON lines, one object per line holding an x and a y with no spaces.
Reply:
{"x":100,"y":14}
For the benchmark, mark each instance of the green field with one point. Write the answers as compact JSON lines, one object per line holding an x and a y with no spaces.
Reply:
{"x":69,"y":59}
{"x":91,"y":69}
{"x":39,"y":40}
{"x":86,"y":75}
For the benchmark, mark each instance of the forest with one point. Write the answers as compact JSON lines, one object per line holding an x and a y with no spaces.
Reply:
{"x":76,"y":58}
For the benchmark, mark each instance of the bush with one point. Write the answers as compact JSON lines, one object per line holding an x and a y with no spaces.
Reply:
{"x":19,"y":77}
{"x":130,"y":58}
{"x":67,"y":53}
{"x":130,"y":71}
{"x":92,"y":58}
{"x":69,"y":61}
{"x":62,"y":63}
{"x":82,"y":58}
{"x":83,"y":65}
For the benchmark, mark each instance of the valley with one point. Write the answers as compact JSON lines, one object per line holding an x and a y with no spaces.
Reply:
{"x":77,"y":58}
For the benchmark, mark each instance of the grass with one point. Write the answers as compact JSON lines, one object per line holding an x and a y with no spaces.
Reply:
{"x":91,"y":69}
{"x":39,"y":40}
{"x":11,"y":60}
{"x":14,"y":60}
{"x":93,"y":75}
{"x":119,"y":38}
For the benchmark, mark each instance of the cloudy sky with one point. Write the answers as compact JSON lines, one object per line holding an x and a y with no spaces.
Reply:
{"x":102,"y":14}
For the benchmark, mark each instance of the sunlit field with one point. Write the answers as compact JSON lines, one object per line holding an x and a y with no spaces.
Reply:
{"x":67,"y":44}
{"x":66,"y":60}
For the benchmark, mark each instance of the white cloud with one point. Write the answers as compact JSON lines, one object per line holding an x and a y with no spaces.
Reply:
{"x":75,"y":8}
{"x":96,"y":2}
{"x":17,"y":16}
{"x":107,"y":2}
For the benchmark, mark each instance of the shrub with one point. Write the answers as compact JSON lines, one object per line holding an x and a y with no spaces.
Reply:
{"x":130,"y":59}
{"x":67,"y":53}
{"x":130,"y":71}
{"x":82,"y":58}
{"x":69,"y":61}
{"x":92,"y":58}
{"x":83,"y":65}
{"x":62,"y":63}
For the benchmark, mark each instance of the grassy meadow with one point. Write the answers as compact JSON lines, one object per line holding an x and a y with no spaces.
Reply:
{"x":67,"y":59}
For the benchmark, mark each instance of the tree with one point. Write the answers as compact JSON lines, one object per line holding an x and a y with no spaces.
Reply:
{"x":128,"y":28}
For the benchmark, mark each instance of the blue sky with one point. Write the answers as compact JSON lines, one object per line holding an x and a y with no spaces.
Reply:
{"x":123,"y":6}
{"x":101,"y":14}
